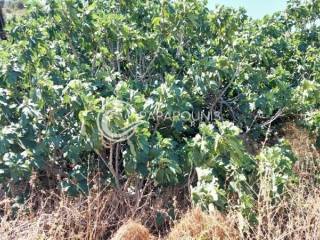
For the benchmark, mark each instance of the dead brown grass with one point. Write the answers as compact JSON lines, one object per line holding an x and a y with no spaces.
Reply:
{"x":199,"y":225}
{"x":58,"y":217}
{"x":97,"y":216}
{"x":132,"y":231}
{"x":303,"y":145}
{"x":296,"y":217}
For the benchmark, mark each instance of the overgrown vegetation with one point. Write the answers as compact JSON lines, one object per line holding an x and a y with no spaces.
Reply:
{"x":204,"y":86}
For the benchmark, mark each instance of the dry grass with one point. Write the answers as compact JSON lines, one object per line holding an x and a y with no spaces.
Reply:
{"x":61,"y":217}
{"x":68,"y":219}
{"x":199,"y":225}
{"x":296,"y":217}
{"x":303,"y":145}
{"x":96,"y":216}
{"x":132,"y":231}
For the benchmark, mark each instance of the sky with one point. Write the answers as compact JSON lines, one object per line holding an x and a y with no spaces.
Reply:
{"x":255,"y":8}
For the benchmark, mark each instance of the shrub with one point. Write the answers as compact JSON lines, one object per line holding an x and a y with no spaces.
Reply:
{"x":68,"y":62}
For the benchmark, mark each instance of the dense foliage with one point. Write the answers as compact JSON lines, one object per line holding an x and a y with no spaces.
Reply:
{"x":67,"y":58}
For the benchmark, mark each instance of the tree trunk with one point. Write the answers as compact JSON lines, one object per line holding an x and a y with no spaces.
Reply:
{"x":2,"y":22}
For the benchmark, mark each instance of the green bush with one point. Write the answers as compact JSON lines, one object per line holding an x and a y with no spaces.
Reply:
{"x":66,"y":59}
